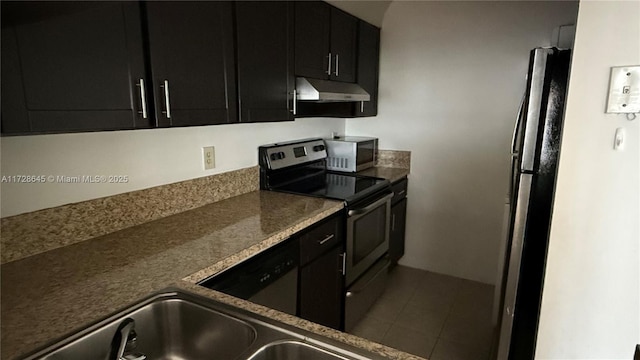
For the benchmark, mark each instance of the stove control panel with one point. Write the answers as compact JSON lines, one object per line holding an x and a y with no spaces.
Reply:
{"x":282,"y":155}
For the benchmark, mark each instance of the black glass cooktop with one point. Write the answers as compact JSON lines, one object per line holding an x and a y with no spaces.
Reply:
{"x":339,"y":186}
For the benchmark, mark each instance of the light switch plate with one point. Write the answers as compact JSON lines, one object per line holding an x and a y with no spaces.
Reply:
{"x":209,"y":157}
{"x":624,"y":90}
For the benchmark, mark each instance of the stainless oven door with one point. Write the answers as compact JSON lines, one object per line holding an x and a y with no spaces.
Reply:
{"x":367,"y":236}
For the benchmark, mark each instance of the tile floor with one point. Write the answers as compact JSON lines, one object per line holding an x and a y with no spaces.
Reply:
{"x":432,"y":315}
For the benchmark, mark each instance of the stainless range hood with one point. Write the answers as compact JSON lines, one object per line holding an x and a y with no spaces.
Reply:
{"x":308,"y":89}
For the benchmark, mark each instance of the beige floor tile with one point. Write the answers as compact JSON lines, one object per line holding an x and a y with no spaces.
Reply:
{"x":419,"y":308}
{"x":371,"y":328}
{"x":474,"y":330}
{"x":387,"y":308}
{"x":436,"y":291}
{"x":422,"y":319}
{"x":474,"y":296}
{"x":433,"y":299}
{"x":452,"y":350}
{"x":410,"y":341}
{"x":407,"y":275}
{"x":400,"y":290}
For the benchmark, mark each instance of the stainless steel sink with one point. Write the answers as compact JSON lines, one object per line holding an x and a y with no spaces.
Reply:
{"x":175,"y":325}
{"x":167,"y":328}
{"x":294,"y":350}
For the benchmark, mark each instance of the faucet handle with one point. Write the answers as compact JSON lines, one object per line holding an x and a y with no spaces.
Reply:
{"x":125,"y":340}
{"x":132,"y":341}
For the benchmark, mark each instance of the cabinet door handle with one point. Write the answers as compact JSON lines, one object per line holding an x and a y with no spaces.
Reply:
{"x":401,"y":192}
{"x":337,"y":64}
{"x":361,"y":106}
{"x":167,"y":104}
{"x":329,"y":69}
{"x":393,"y":222}
{"x":327,"y":238}
{"x":143,"y":98}
{"x":343,"y":267}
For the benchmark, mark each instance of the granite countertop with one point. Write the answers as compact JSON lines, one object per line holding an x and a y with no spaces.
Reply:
{"x":50,"y":295}
{"x":390,"y":173}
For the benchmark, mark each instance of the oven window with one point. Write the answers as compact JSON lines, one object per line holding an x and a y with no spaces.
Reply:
{"x":365,"y":152}
{"x":369,"y":233}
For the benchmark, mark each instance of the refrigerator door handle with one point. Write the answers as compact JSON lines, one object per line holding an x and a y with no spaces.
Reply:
{"x":516,"y":127}
{"x":534,"y":107}
{"x":513,"y":265}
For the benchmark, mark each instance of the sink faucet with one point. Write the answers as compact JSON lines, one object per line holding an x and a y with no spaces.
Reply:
{"x":124,"y":341}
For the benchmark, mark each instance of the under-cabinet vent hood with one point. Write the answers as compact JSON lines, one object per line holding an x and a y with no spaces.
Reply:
{"x":308,"y":89}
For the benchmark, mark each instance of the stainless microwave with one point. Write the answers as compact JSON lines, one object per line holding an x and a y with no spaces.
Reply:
{"x":351,"y":153}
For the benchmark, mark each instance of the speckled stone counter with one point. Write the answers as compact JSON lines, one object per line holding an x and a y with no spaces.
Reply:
{"x":389,"y":173}
{"x":48,"y":295}
{"x":394,"y":158}
{"x":44,"y":230}
{"x":51,"y":295}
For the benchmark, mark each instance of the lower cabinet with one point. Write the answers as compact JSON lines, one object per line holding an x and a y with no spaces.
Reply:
{"x":396,"y":237}
{"x":398,"y":221}
{"x":321,"y":286}
{"x":302,"y":276}
{"x":321,"y":290}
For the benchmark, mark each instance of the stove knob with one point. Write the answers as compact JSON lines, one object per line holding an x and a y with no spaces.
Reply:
{"x":274,"y":156}
{"x":282,"y":155}
{"x":318,"y":148}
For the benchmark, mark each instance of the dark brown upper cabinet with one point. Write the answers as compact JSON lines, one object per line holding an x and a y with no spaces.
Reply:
{"x":264,"y":40}
{"x":72,"y":66}
{"x":81,"y":66}
{"x":191,"y":54}
{"x":344,"y":45}
{"x":368,"y":67}
{"x":325,"y":42}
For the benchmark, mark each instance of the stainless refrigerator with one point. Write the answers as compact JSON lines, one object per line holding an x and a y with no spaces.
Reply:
{"x":534,"y":151}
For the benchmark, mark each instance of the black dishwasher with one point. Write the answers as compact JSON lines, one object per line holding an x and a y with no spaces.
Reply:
{"x":269,"y":278}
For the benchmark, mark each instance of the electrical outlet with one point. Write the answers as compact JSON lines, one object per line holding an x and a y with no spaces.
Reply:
{"x":209,"y":157}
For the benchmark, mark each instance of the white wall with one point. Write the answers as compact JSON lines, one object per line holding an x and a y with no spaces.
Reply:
{"x":148,"y":157}
{"x":371,"y":11}
{"x":451,"y":78}
{"x":591,"y":299}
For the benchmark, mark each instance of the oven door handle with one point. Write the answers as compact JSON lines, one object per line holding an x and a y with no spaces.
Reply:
{"x":370,"y":207}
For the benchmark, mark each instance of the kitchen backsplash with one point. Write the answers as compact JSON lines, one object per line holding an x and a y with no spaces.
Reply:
{"x":39,"y":231}
{"x":394,"y":158}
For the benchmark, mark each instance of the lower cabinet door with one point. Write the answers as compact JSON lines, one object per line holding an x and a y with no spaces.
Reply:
{"x":396,"y":237}
{"x":321,"y":290}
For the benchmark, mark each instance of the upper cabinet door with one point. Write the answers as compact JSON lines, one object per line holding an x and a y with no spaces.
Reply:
{"x":312,"y":36}
{"x":72,"y":66}
{"x":326,"y":42}
{"x":264,"y":35}
{"x":368,"y":60}
{"x":344,"y":44}
{"x":192,"y":62}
